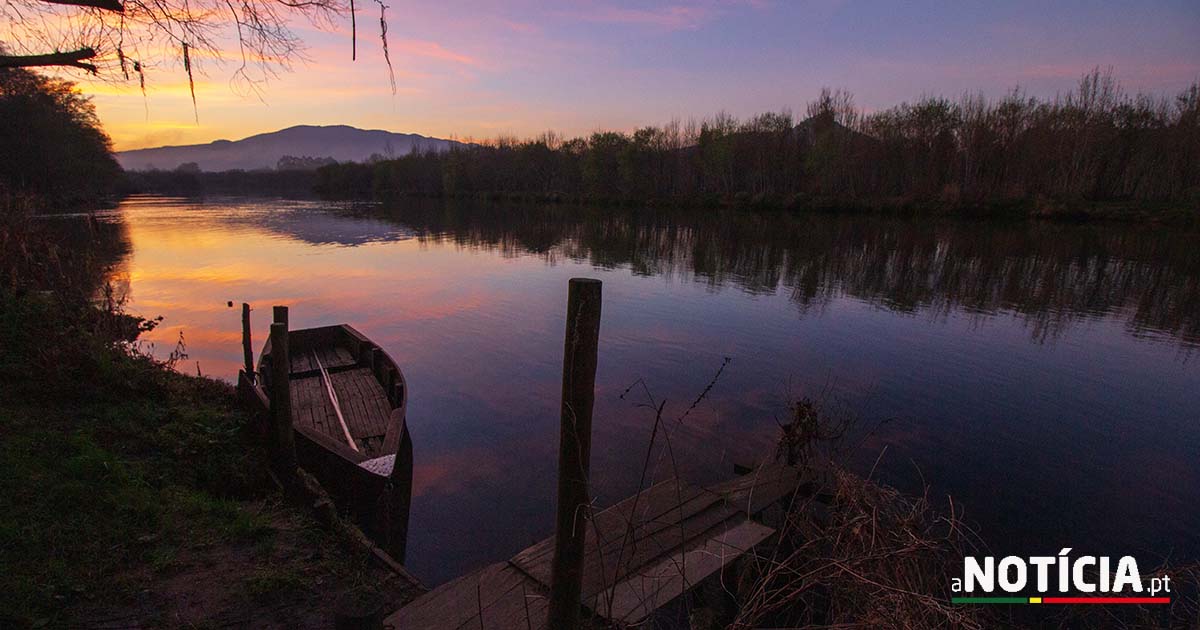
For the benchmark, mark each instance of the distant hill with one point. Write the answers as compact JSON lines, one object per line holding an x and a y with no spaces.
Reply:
{"x":340,"y":142}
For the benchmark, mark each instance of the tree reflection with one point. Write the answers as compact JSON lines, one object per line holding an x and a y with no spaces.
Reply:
{"x":1049,"y":274}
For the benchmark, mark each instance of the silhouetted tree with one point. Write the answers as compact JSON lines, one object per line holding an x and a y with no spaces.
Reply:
{"x":1092,"y":144}
{"x":123,"y":35}
{"x":51,"y":144}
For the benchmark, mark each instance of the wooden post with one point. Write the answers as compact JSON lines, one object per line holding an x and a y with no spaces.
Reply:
{"x":247,"y":346}
{"x":574,"y":450}
{"x":283,"y":444}
{"x":281,"y":315}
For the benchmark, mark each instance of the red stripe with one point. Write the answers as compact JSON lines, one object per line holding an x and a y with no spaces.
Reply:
{"x":1106,"y":600}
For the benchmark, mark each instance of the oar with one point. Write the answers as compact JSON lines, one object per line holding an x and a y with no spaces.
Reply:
{"x":333,"y":399}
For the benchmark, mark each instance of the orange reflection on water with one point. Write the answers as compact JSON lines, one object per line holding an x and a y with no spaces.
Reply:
{"x":950,"y":345}
{"x":191,"y":273}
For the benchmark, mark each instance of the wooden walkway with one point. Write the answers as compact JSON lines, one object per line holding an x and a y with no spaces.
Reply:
{"x":642,"y":553}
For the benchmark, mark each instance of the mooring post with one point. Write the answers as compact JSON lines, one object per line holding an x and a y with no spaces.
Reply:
{"x":282,"y":441}
{"x":247,"y":346}
{"x":281,"y":315}
{"x":574,"y":450}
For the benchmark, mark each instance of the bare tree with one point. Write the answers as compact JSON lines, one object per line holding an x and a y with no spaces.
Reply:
{"x":118,"y":39}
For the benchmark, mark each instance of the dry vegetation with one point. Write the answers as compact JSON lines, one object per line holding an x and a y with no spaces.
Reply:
{"x":871,"y":558}
{"x":858,"y":554}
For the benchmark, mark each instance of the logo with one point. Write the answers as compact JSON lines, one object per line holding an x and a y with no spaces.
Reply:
{"x":1101,"y":579}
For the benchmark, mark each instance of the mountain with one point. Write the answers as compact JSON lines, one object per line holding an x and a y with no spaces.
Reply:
{"x":339,"y":142}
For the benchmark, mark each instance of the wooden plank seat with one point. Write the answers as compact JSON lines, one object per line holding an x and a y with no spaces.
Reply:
{"x":364,"y":405}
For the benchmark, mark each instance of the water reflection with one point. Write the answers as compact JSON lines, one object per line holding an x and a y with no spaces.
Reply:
{"x":1039,"y":373}
{"x":1049,"y":274}
{"x":91,"y":256}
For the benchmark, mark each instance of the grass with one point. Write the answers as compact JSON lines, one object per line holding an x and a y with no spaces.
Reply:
{"x":132,"y":492}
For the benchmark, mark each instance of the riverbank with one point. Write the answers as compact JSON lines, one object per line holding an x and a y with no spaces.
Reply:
{"x":312,"y":184}
{"x":133,"y":495}
{"x":1076,"y":211}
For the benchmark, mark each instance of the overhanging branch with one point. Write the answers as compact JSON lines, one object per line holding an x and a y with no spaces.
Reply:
{"x":111,"y":5}
{"x":73,"y":59}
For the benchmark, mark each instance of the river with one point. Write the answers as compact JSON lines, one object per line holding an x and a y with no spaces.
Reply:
{"x":1045,"y":376}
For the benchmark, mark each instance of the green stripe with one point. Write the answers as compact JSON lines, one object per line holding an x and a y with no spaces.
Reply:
{"x":989,"y":600}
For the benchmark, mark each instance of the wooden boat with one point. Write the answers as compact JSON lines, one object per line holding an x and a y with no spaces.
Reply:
{"x":348,"y":404}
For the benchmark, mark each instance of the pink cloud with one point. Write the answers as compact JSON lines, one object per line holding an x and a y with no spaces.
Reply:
{"x":425,"y":48}
{"x":521,"y":27}
{"x":676,"y":17}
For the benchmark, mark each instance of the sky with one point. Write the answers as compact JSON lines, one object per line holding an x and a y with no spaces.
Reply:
{"x":474,"y":69}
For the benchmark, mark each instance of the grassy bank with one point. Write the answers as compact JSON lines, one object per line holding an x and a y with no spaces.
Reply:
{"x":133,"y":494}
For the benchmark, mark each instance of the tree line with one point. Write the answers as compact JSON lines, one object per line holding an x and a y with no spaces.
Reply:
{"x":1094,"y":143}
{"x":52,"y":148}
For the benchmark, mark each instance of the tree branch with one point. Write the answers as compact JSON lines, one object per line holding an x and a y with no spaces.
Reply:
{"x":74,"y":59}
{"x":111,"y":5}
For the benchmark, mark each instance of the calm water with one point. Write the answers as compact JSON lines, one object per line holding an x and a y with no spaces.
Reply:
{"x":1046,"y":376}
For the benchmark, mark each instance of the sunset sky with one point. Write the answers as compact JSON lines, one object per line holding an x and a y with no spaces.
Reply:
{"x":479,"y":69}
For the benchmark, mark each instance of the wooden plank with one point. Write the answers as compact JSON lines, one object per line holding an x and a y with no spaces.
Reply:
{"x":610,"y":523}
{"x":754,"y":491}
{"x":624,"y":559}
{"x":665,"y":517}
{"x":375,"y":404}
{"x":397,"y":425}
{"x":640,"y":595}
{"x":383,"y":411}
{"x":301,"y":407}
{"x":524,"y":606}
{"x":371,"y":423}
{"x":655,"y":508}
{"x":317,"y":406}
{"x":324,"y":354}
{"x":365,"y":423}
{"x":364,"y":406}
{"x":302,"y":403}
{"x":344,"y":356}
{"x":335,"y":402}
{"x":343,"y":385}
{"x":338,"y":447}
{"x":335,"y":357}
{"x":496,"y":589}
{"x":333,"y":426}
{"x":300,"y":362}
